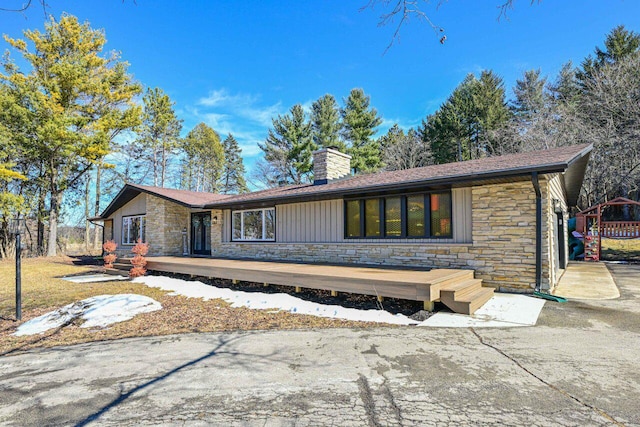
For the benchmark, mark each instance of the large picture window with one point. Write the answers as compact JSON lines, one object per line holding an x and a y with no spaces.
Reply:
{"x":255,"y":224}
{"x":134,"y":228}
{"x":408,"y":216}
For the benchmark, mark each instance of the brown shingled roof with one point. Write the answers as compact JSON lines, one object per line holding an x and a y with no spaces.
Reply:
{"x":192,"y":199}
{"x":501,"y":167}
{"x":547,"y":161}
{"x":185,"y":197}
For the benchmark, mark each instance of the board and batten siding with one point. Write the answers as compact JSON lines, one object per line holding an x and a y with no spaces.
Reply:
{"x":323,"y":222}
{"x":137,"y":206}
{"x":557,"y":192}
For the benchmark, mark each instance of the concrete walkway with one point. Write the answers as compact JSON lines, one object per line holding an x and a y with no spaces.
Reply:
{"x":588,"y":281}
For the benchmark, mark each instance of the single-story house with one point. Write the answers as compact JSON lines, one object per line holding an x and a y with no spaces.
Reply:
{"x":503,"y":217}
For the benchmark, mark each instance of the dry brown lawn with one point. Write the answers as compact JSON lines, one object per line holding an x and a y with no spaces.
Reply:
{"x":621,"y":250}
{"x":43,"y":290}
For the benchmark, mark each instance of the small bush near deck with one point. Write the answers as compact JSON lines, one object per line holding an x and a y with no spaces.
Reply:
{"x":139,"y":261}
{"x":110,"y":257}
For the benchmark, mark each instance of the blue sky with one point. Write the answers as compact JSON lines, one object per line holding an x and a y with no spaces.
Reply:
{"x":235,"y":65}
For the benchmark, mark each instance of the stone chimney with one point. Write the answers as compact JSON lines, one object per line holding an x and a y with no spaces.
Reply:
{"x":330,"y":164}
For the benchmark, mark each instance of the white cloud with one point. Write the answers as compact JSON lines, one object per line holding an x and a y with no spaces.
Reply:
{"x":242,"y":105}
{"x":262,"y":115}
{"x":221,"y":97}
{"x":240,"y":114}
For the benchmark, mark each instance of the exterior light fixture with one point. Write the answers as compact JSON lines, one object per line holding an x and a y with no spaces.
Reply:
{"x":215,"y":219}
{"x":557,"y":206}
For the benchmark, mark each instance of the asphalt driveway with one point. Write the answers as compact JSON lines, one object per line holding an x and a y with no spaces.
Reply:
{"x":578,"y":367}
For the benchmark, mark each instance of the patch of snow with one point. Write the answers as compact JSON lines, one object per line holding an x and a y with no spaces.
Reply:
{"x":502,"y":310}
{"x":98,"y":311}
{"x":279,"y":301}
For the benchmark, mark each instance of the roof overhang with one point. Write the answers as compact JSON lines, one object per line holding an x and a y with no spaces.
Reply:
{"x":130,"y":192}
{"x":573,"y":171}
{"x":574,"y":175}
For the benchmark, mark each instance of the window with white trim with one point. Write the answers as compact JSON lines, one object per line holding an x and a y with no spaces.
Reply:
{"x":134,"y":228}
{"x":254,"y":224}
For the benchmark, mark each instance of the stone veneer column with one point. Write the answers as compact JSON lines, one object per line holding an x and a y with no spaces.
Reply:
{"x":155,"y":225}
{"x":216,"y":231}
{"x":165,"y":222}
{"x":504,"y":240}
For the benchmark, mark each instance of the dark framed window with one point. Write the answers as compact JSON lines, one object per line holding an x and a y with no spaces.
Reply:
{"x":422,"y":215}
{"x":352,"y":215}
{"x":440,"y":206}
{"x":416,"y":219}
{"x":372,"y":218}
{"x":393,"y":217}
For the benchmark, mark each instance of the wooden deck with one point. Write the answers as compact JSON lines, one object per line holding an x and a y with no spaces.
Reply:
{"x":414,"y":285}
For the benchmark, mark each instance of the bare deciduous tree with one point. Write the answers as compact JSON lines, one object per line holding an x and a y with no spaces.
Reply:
{"x":404,"y":151}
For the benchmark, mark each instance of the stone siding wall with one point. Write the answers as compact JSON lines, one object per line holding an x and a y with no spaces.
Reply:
{"x":504,"y":226}
{"x":453,"y":255}
{"x":165,"y":223}
{"x":502,"y":252}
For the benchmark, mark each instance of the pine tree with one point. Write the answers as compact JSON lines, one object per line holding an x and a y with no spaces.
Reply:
{"x":462,"y":127}
{"x":620,"y":43}
{"x":288,"y":147}
{"x":160,"y":133}
{"x":325,"y":123}
{"x":360,"y":123}
{"x":73,"y":100}
{"x":566,"y":87}
{"x":233,"y":181}
{"x":204,"y":160}
{"x":448,"y":128}
{"x":530,"y":97}
{"x":491,"y":112}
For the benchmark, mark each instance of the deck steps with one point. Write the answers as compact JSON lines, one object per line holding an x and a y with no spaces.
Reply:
{"x":465,"y":296}
{"x":122,"y":265}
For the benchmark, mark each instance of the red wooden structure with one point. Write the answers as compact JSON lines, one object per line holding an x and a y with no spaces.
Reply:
{"x":590,"y":224}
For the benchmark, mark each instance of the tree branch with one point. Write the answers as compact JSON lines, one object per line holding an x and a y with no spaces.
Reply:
{"x":405,"y":9}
